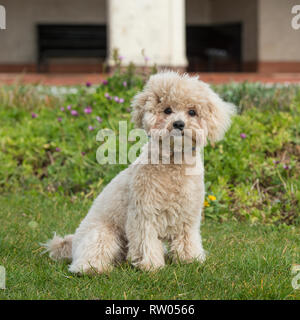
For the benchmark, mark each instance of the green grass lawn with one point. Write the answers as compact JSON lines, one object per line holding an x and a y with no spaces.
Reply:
{"x":244,"y":261}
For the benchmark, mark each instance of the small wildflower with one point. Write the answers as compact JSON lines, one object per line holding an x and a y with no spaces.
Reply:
{"x":276,"y":161}
{"x":88,"y":84}
{"x":57,"y":149}
{"x":212,"y":198}
{"x":128,"y":110}
{"x":99,"y":119}
{"x":121,"y":58}
{"x":33,"y":115}
{"x":206,"y":204}
{"x":59,"y":119}
{"x":104,"y":82}
{"x":286,"y":167}
{"x":74,"y":113}
{"x":69,"y":107}
{"x":107,"y":96}
{"x":88,"y":110}
{"x":62,"y":109}
{"x":83,"y":153}
{"x":243,"y":135}
{"x":125,"y":84}
{"x":116,"y":99}
{"x":147,"y":58}
{"x":91,"y":128}
{"x":121,"y":100}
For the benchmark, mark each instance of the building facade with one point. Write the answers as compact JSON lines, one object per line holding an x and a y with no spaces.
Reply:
{"x":198,"y":35}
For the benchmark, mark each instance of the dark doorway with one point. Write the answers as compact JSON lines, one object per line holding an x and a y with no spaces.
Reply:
{"x":70,"y":41}
{"x":214,"y":48}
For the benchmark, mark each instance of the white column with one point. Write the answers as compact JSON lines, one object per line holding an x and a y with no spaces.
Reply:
{"x":157,"y":26}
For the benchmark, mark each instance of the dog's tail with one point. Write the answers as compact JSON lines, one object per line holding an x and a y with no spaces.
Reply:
{"x":59,"y":248}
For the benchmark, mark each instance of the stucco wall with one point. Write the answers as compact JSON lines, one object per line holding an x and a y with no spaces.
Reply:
{"x":244,"y":11}
{"x":198,"y":12}
{"x":18,"y":42}
{"x":267,"y":34}
{"x":157,"y":26}
{"x":278,"y":41}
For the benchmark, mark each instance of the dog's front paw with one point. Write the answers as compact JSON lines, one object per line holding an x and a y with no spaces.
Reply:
{"x":148,"y":265}
{"x":189,"y":257}
{"x":201,"y":257}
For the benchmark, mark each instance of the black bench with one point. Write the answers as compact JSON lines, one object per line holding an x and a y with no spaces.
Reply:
{"x":70,"y":41}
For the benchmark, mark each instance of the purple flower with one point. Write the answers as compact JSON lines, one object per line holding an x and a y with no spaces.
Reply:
{"x":243,"y":135}
{"x":128,"y":110}
{"x":147,"y":58}
{"x":286,"y":167}
{"x":88,"y":110}
{"x":83,"y":153}
{"x":116,"y":99}
{"x":121,"y":58}
{"x":57,"y":149}
{"x":276,"y":161}
{"x":69,"y":107}
{"x":107,"y":96}
{"x":88,"y":84}
{"x":104,"y":82}
{"x":74,"y":113}
{"x":62,"y":109}
{"x":121,"y":100}
{"x":99,"y":119}
{"x":33,"y":115}
{"x":124,"y":84}
{"x":59,"y":119}
{"x":91,"y":128}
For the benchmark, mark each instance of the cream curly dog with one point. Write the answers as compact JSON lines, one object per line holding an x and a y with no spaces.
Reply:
{"x":147,"y":204}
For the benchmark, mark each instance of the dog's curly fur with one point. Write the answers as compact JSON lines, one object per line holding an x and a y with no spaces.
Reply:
{"x":150,"y":203}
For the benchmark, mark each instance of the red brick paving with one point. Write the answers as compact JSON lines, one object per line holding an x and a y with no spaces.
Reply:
{"x":74,"y":79}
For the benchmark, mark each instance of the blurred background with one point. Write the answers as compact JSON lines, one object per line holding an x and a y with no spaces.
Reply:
{"x":63,"y":36}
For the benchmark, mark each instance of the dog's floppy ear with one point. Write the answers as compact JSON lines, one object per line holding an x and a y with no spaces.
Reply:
{"x":138,"y":105}
{"x":218,"y":116}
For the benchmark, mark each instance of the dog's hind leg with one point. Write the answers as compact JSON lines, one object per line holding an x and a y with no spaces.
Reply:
{"x":97,"y":250}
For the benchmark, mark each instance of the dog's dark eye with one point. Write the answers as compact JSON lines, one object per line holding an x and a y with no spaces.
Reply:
{"x":168,"y":111}
{"x":192,"y":113}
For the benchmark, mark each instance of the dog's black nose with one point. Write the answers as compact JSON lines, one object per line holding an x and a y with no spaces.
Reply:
{"x":178,"y":125}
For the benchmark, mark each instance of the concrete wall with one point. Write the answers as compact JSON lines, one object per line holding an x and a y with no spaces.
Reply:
{"x":244,"y":11}
{"x":198,"y":12}
{"x":156,"y":26}
{"x":18,"y":41}
{"x":278,"y":41}
{"x":267,"y":34}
